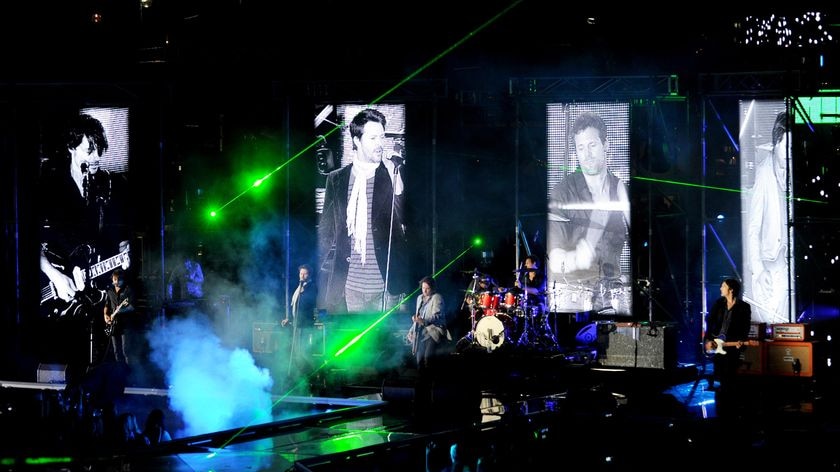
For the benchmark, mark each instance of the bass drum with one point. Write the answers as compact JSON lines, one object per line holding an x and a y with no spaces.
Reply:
{"x":491,"y":332}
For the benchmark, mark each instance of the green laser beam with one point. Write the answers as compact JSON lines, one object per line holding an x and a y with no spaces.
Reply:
{"x":378,"y":99}
{"x":404,"y":299}
{"x":722,"y":189}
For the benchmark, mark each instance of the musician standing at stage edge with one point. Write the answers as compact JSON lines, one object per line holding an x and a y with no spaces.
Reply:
{"x":729,"y":322}
{"x":302,"y":311}
{"x":361,"y":235}
{"x":428,"y":330}
{"x":589,"y":211}
{"x":119,"y":318}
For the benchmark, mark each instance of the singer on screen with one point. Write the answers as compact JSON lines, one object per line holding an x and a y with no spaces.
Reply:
{"x":361,"y":235}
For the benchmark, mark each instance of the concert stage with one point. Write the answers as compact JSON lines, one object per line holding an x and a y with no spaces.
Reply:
{"x":521,"y":409}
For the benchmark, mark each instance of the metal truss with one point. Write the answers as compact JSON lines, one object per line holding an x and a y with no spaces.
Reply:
{"x":765,"y":83}
{"x":595,"y":87}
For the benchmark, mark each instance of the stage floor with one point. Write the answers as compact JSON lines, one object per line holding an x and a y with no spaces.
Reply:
{"x":519,"y":409}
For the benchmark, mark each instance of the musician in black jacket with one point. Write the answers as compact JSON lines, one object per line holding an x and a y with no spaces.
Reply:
{"x":119,"y":311}
{"x":727,"y":333}
{"x":302,"y":319}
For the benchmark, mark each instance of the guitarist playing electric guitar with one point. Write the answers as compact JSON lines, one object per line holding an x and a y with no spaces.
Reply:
{"x":118,"y":302}
{"x":727,"y":328}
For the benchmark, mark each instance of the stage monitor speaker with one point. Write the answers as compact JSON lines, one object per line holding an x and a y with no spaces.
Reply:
{"x":52,"y":373}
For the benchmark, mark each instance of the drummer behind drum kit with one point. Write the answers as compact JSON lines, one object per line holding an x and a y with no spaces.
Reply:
{"x":503,"y":316}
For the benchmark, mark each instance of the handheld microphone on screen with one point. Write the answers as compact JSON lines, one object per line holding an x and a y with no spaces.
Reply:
{"x":397,"y":157}
{"x":85,"y":182}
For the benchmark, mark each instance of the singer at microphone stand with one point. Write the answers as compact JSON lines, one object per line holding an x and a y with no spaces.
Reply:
{"x":361,"y":238}
{"x":302,"y":311}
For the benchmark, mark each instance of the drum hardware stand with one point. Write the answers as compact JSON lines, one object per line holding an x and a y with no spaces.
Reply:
{"x":533,"y":334}
{"x":471,"y":337}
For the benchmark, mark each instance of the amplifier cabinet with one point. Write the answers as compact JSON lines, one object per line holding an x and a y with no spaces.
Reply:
{"x":265,"y":337}
{"x":753,"y":360}
{"x":618,"y":342}
{"x":268,"y":338}
{"x":790,"y":358}
{"x":637,"y":345}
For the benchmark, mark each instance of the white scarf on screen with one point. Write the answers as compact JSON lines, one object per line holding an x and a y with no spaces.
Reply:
{"x":357,"y":217}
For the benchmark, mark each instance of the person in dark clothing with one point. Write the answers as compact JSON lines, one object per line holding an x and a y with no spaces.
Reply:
{"x":727,"y":334}
{"x":302,"y":312}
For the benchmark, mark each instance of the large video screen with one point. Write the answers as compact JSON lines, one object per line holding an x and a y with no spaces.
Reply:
{"x":362,"y":249}
{"x":766,"y":207}
{"x":589,"y":208}
{"x":84,"y":229}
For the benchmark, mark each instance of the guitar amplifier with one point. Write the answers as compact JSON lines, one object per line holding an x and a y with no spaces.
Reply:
{"x":790,"y":332}
{"x":618,"y":341}
{"x":265,"y":338}
{"x":790,"y":358}
{"x":753,"y":360}
{"x":757,"y":331}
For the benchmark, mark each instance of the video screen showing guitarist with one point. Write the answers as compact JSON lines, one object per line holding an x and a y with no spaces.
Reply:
{"x":119,"y":325}
{"x":727,"y":334}
{"x":84,"y":228}
{"x":84,"y":224}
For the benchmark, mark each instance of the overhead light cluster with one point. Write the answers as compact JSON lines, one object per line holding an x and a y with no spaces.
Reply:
{"x":806,"y":30}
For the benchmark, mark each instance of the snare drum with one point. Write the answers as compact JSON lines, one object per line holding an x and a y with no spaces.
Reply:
{"x":567,"y":298}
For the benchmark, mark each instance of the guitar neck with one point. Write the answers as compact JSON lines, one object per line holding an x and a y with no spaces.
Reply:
{"x":107,"y":265}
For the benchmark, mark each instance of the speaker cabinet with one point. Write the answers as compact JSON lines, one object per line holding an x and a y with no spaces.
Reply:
{"x":656,"y":347}
{"x":790,"y":358}
{"x":52,"y":373}
{"x":753,"y":360}
{"x":637,"y":345}
{"x":265,"y":338}
{"x":618,"y":343}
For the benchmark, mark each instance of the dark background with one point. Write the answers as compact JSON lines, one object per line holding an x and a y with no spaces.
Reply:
{"x":218,"y":89}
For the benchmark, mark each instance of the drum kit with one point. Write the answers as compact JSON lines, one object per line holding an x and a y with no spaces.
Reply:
{"x":506,"y":316}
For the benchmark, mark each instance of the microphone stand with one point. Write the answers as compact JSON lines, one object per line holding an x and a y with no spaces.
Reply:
{"x":390,"y":237}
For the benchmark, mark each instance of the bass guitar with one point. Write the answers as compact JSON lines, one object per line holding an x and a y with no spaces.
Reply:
{"x":719,"y":344}
{"x":110,"y":327}
{"x":86,"y":294}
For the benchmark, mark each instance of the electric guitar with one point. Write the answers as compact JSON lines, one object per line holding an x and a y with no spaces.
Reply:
{"x":719,"y":344}
{"x":110,"y":327}
{"x":56,"y":306}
